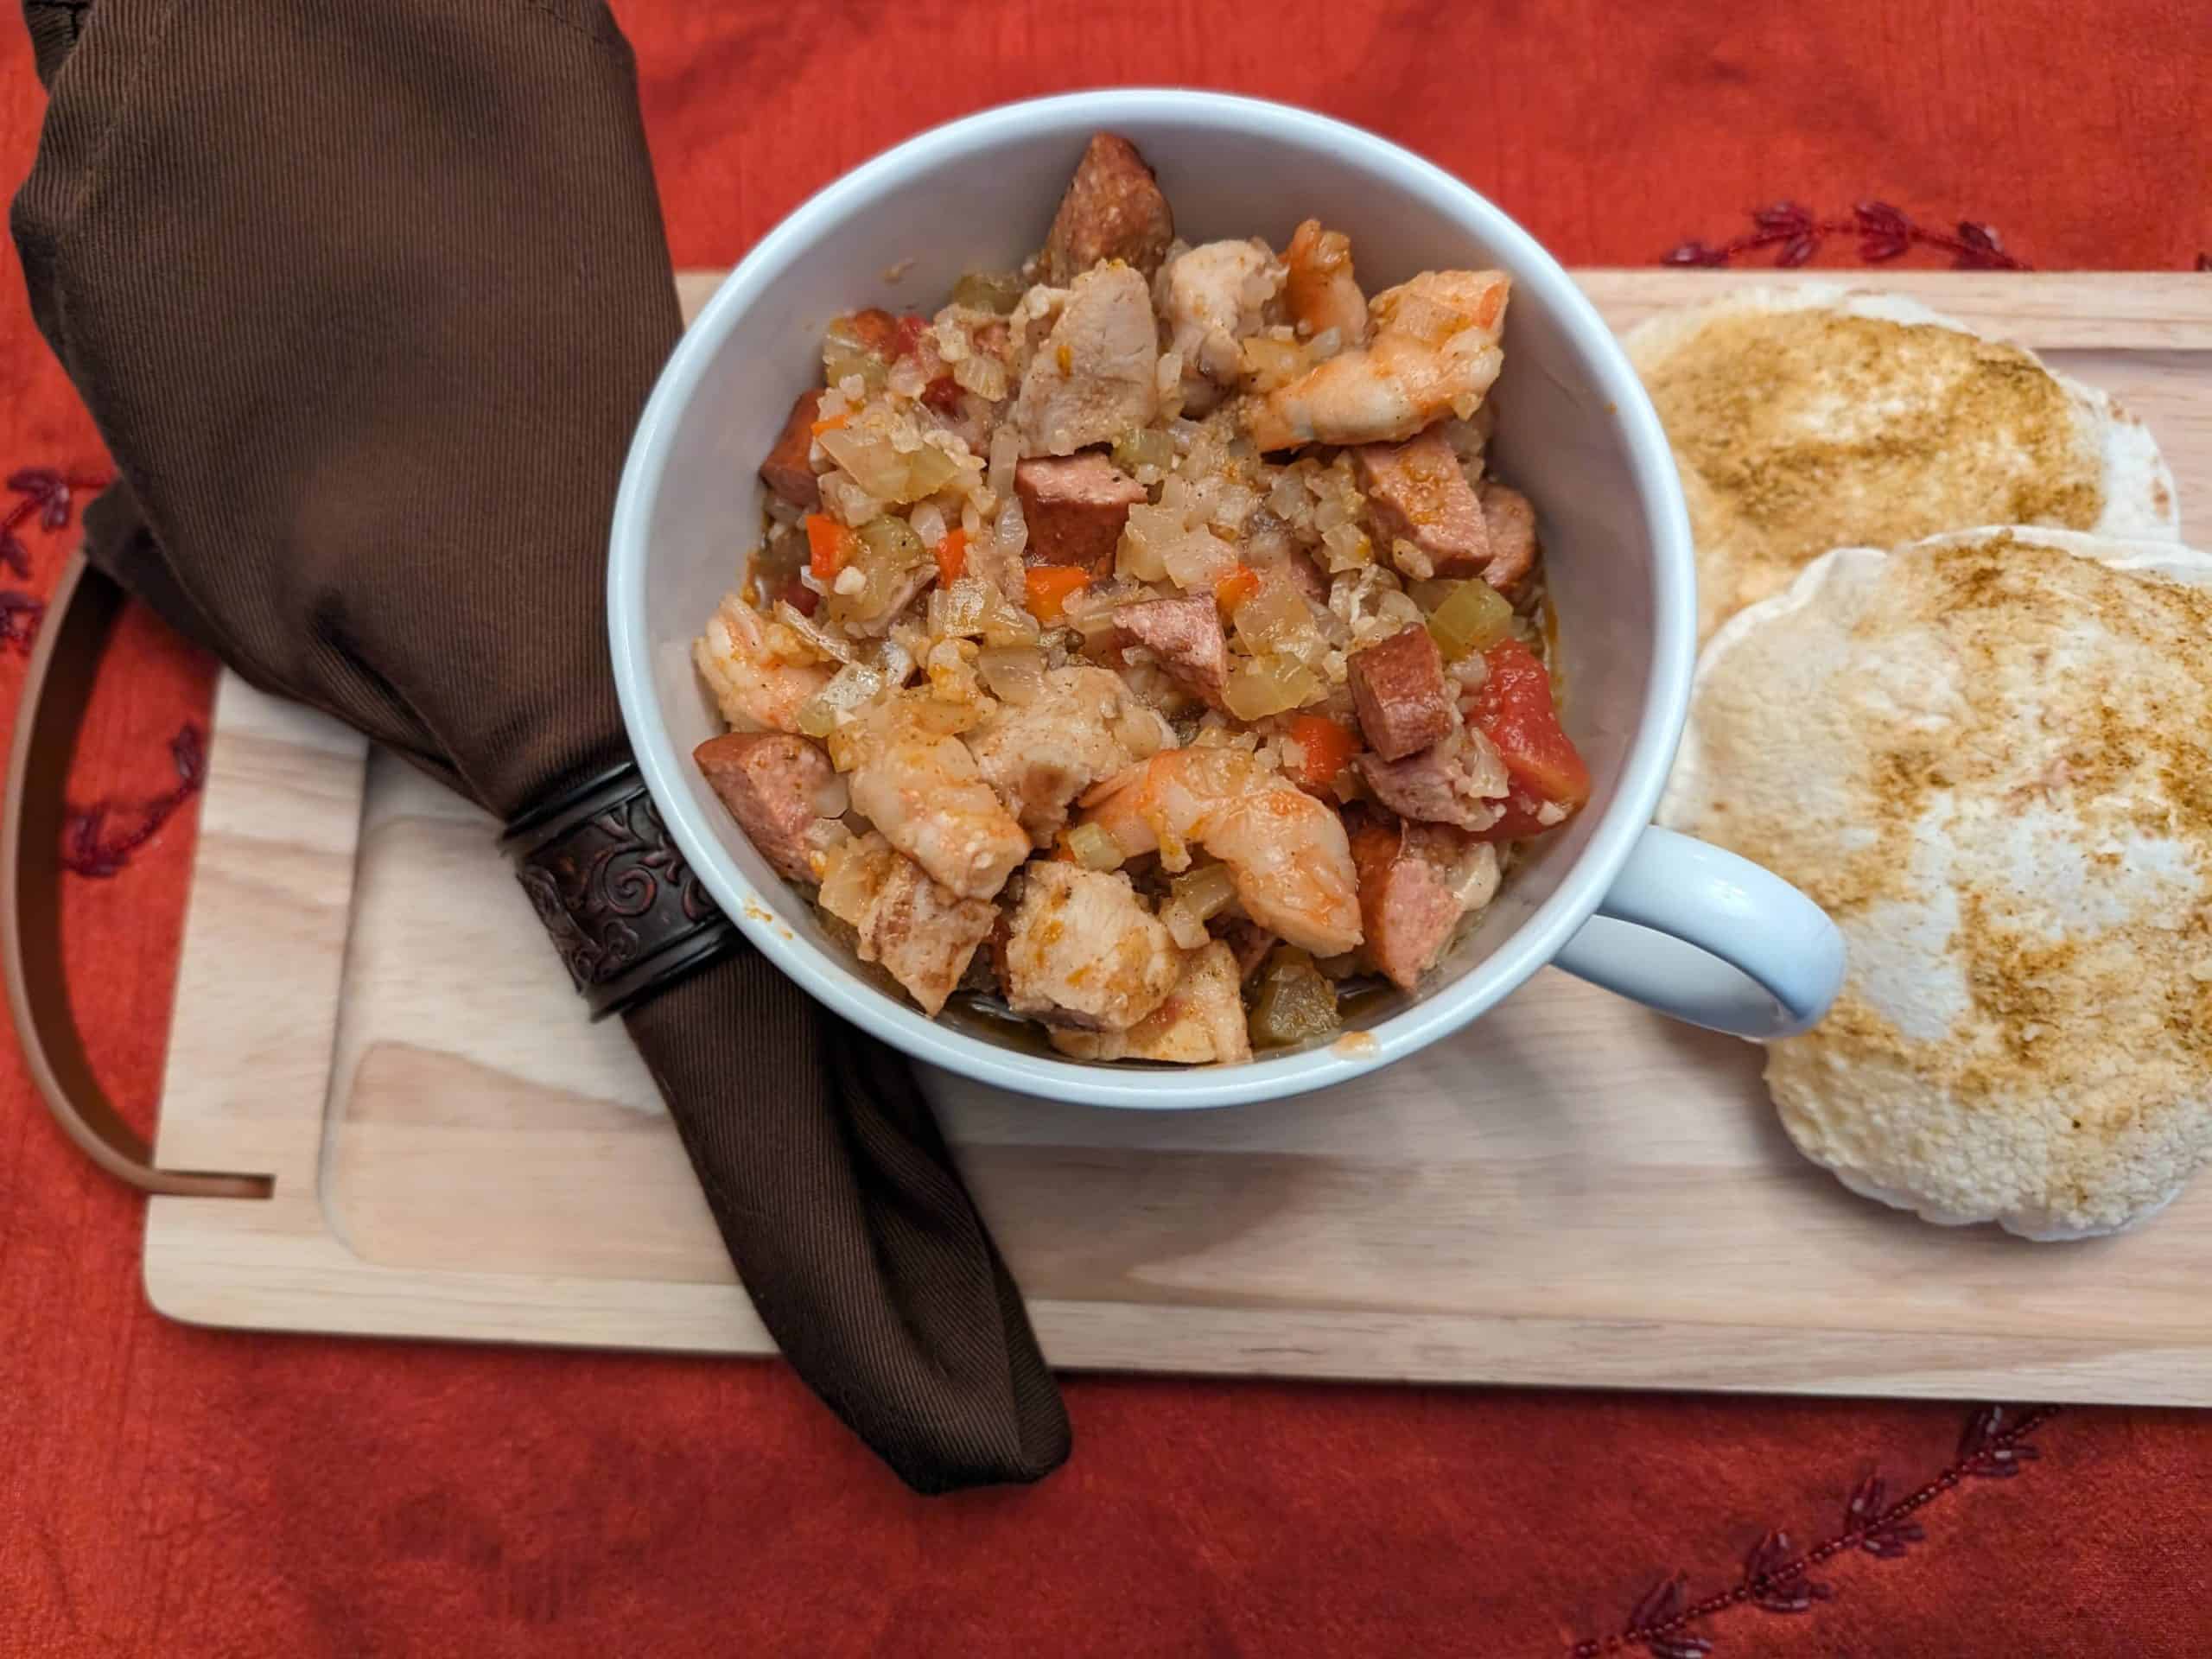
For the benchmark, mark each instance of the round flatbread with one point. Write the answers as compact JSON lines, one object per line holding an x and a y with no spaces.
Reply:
{"x":1989,"y":756}
{"x":1813,"y":417}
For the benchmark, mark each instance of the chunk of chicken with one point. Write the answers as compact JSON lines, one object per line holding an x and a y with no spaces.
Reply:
{"x":1082,"y":951}
{"x":1215,"y":296}
{"x":1434,"y":353}
{"x":919,"y":784}
{"x":923,"y":935}
{"x":1084,"y":725}
{"x":1201,"y":1023}
{"x":1113,"y":209}
{"x":1322,"y":292}
{"x":1096,"y":376}
{"x":1286,"y":851}
{"x":1416,"y":882}
{"x":783,"y":792}
{"x":755,"y":690}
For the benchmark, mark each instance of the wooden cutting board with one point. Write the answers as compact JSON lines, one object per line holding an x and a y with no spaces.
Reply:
{"x":1572,"y":1191}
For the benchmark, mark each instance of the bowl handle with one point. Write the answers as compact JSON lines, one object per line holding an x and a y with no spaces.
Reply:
{"x":1711,"y":939}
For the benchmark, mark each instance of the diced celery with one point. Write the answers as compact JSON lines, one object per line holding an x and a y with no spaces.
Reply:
{"x":1474,"y":617}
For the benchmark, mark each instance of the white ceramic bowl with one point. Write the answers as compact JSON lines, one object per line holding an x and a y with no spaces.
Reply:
{"x":1575,"y":431}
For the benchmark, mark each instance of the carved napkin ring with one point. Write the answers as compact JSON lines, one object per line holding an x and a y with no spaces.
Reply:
{"x":625,"y":912}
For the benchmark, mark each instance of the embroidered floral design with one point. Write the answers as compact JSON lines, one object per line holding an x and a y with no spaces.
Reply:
{"x":46,"y":494}
{"x":1885,"y":232}
{"x":20,"y":616}
{"x":90,"y":848}
{"x":1776,"y":1580}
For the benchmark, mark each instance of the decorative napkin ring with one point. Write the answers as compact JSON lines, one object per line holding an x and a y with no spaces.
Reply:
{"x":625,"y":912}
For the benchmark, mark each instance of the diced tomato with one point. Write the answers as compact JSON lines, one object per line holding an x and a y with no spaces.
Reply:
{"x":1514,"y":709}
{"x":828,"y":545}
{"x":879,"y":331}
{"x":1328,"y":748}
{"x":908,"y":337}
{"x":1051,"y":586}
{"x":951,"y":557}
{"x":1520,"y":820}
{"x":942,"y":394}
{"x":1236,"y":588}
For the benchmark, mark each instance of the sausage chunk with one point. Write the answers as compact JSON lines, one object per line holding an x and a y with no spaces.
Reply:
{"x":1419,"y":494}
{"x":787,"y":471}
{"x":1113,"y":209}
{"x":1416,"y":882}
{"x":1458,"y":780}
{"x":784,"y":793}
{"x":1075,"y":509}
{"x":1510,"y":522}
{"x":1398,"y":689}
{"x":1186,"y":635}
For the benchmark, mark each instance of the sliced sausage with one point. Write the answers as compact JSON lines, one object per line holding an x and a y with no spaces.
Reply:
{"x":1075,"y":509}
{"x":1113,"y":209}
{"x":784,"y":793}
{"x":1399,"y":691}
{"x":1459,"y":780}
{"x":1417,"y":492}
{"x":787,"y":471}
{"x":1186,"y":635}
{"x":1510,"y":522}
{"x":1416,"y":882}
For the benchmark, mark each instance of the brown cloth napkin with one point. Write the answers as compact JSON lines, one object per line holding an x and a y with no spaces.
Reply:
{"x":366,"y":297}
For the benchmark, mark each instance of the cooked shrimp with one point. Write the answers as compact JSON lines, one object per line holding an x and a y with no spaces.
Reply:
{"x":1435,"y":352}
{"x":1287,"y":852}
{"x":1322,"y":291}
{"x":756,"y":690}
{"x":915,"y":781}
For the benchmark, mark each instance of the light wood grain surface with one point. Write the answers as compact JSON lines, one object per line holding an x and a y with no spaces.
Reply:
{"x":1572,"y":1191}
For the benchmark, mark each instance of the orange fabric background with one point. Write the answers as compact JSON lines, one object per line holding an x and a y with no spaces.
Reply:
{"x":171,"y":1490}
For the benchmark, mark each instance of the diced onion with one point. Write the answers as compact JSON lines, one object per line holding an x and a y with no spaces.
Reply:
{"x":851,"y":687}
{"x":1005,"y":450}
{"x":928,"y":523}
{"x":1186,"y":930}
{"x":1015,"y":674}
{"x":1269,"y":685}
{"x":1197,"y":559}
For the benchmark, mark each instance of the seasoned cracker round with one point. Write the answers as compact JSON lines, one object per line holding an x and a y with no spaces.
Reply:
{"x":1989,"y":756}
{"x":1813,"y":417}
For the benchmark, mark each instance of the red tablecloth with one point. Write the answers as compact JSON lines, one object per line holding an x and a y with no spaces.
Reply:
{"x":188,"y":1492}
